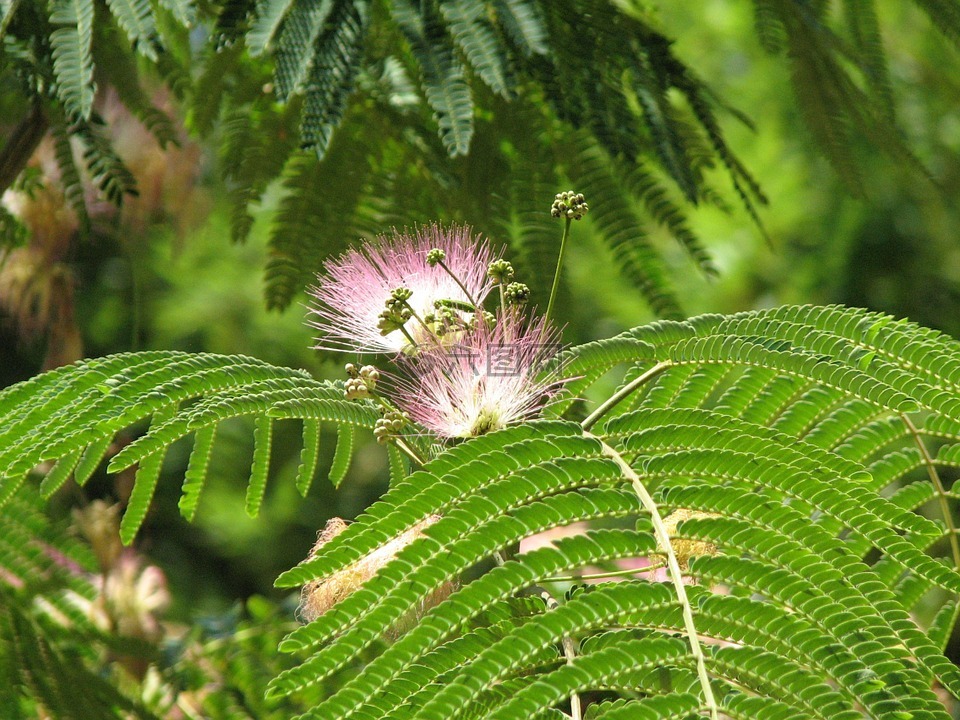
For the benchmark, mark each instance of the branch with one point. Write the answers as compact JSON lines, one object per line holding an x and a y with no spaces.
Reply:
{"x":23,"y":141}
{"x":938,"y":486}
{"x":570,"y":652}
{"x":623,"y":392}
{"x":8,"y":17}
{"x":663,"y":538}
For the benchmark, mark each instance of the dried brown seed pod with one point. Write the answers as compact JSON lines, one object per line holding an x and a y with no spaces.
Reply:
{"x":683,"y":548}
{"x":320,"y":595}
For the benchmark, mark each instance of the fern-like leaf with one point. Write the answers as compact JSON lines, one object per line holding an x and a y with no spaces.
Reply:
{"x":269,"y":15}
{"x":298,"y":35}
{"x":622,"y":230}
{"x":443,"y":77}
{"x":471,"y":30}
{"x":136,"y":18}
{"x":71,"y":42}
{"x":92,"y":401}
{"x":336,"y":61}
{"x":524,"y":22}
{"x":342,"y":455}
{"x":262,"y":444}
{"x":70,"y":175}
{"x":145,"y":483}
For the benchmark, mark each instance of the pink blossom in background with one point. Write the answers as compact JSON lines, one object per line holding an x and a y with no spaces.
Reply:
{"x":354,"y":288}
{"x":493,"y":377}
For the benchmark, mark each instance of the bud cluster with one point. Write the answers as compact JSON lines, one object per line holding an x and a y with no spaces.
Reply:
{"x":517,"y":293}
{"x":435,"y":257}
{"x":361,"y":382}
{"x":390,"y":425}
{"x":397,"y":311}
{"x":500,"y":271}
{"x":482,"y":316}
{"x":569,"y":205}
{"x":443,"y":319}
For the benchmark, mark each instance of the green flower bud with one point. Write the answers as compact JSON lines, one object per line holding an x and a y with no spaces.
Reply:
{"x":390,"y":320}
{"x":517,"y":293}
{"x":569,"y":205}
{"x":355,"y":389}
{"x":488,"y":318}
{"x":500,"y":271}
{"x":435,"y":257}
{"x":390,"y":425}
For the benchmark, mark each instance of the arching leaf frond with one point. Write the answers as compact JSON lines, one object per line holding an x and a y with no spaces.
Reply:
{"x":89,"y":403}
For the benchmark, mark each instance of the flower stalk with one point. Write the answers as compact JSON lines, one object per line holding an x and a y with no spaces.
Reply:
{"x":556,"y":276}
{"x":570,"y":206}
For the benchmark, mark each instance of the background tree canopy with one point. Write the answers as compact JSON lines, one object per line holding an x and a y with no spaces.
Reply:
{"x":175,"y":173}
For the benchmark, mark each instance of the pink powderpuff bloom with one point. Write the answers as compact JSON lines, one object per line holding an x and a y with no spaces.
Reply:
{"x":355,"y":287}
{"x":494,"y":376}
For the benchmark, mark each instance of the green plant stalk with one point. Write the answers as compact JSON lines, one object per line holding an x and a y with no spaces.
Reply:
{"x":570,"y":652}
{"x":408,"y":451}
{"x":461,"y":285}
{"x":604,"y":575}
{"x":408,"y":336}
{"x":23,"y":139}
{"x":938,"y":486}
{"x":424,"y":324}
{"x":5,"y":23}
{"x":556,"y":276}
{"x":386,"y":405}
{"x":676,"y":575}
{"x":622,"y":393}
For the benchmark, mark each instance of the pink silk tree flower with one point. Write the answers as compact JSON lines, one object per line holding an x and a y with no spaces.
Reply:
{"x":354,"y":289}
{"x":494,"y":376}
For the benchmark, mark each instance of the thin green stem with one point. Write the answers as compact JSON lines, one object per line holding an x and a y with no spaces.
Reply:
{"x":510,"y":551}
{"x":409,"y":451}
{"x":556,"y":277}
{"x":399,"y":442}
{"x":5,"y":23}
{"x":408,"y":336}
{"x":938,"y":486}
{"x":604,"y":575}
{"x":246,"y":634}
{"x":426,"y":327}
{"x":676,"y":575}
{"x":462,"y":286}
{"x":623,"y":392}
{"x":380,"y":400}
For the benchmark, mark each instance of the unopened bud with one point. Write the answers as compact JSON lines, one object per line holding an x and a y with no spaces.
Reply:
{"x":569,"y":205}
{"x":487,"y":318}
{"x":500,"y":270}
{"x":389,"y":426}
{"x":517,"y":293}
